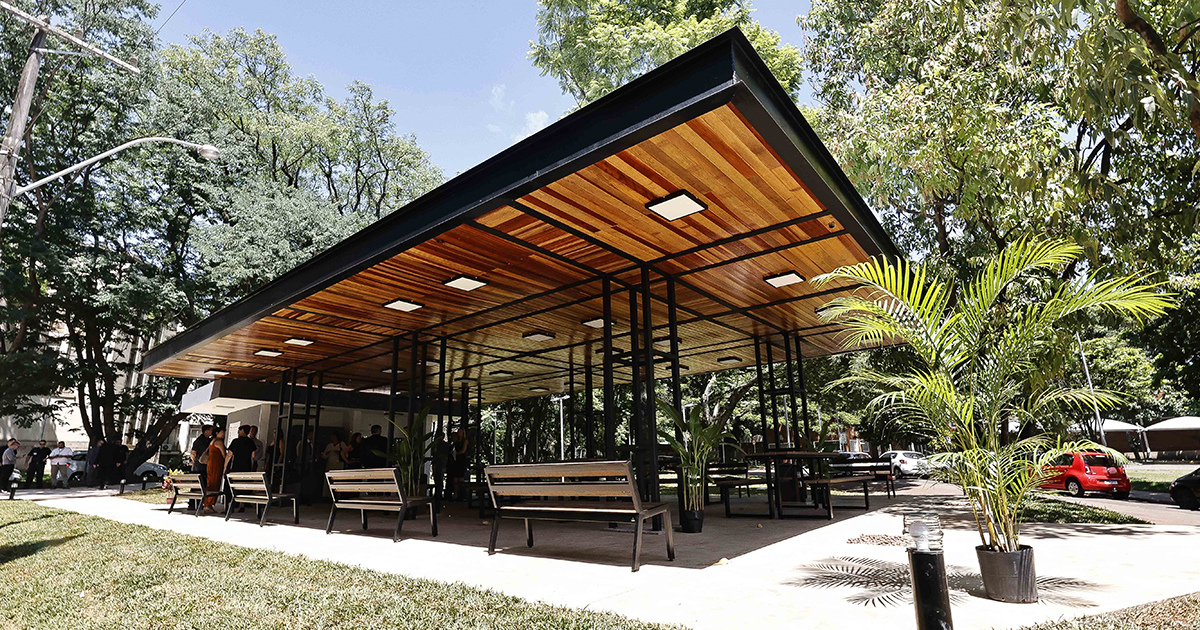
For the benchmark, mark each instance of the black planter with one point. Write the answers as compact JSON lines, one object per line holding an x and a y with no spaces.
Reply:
{"x":691,"y":521}
{"x":1008,"y":576}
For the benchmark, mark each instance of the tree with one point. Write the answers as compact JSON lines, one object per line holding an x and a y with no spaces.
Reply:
{"x":1174,"y":340}
{"x":977,"y":345}
{"x":1118,"y":365}
{"x":592,"y":47}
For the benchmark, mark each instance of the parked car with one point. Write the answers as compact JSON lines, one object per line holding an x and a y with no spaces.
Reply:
{"x":148,"y":471}
{"x":908,"y":463}
{"x":1078,"y":473}
{"x":1185,"y":491}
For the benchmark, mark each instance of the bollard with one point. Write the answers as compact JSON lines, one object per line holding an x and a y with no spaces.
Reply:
{"x":12,"y":490}
{"x":927,"y":568}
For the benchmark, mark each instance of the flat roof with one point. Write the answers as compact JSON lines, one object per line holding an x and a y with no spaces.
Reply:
{"x":547,"y":221}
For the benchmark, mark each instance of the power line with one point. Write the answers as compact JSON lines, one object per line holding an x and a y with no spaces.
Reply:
{"x":160,"y":26}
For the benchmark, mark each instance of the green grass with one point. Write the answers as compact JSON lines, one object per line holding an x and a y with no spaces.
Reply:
{"x":68,"y":570}
{"x":1043,"y":509}
{"x":1149,"y":486}
{"x":1178,"y":613}
{"x":159,"y":496}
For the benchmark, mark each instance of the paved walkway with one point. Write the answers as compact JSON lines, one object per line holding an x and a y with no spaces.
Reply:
{"x":776,"y":573}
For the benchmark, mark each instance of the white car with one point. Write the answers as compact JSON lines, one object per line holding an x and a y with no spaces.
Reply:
{"x":909,"y":463}
{"x":149,"y":471}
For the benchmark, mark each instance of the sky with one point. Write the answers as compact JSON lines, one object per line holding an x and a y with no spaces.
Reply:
{"x":456,"y":72}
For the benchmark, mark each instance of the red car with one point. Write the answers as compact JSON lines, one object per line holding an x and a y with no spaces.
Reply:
{"x":1088,"y":472}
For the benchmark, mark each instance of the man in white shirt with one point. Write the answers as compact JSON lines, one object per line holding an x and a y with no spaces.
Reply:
{"x":60,"y":464}
{"x":8,"y":461}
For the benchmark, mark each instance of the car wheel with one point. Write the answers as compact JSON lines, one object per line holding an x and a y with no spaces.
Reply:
{"x":1074,"y":487}
{"x":1186,"y":500}
{"x":76,"y":477}
{"x":1121,"y":495}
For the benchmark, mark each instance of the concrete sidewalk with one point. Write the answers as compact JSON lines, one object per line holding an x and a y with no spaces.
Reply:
{"x":775,"y":573}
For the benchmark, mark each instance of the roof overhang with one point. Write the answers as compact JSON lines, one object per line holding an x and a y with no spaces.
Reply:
{"x":566,"y":207}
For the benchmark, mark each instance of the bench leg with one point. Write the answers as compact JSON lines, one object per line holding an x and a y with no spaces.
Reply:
{"x":364,"y":518}
{"x":432,"y":520}
{"x":495,"y":531}
{"x":866,"y":497}
{"x":828,"y":502}
{"x":173,"y":500}
{"x":725,"y":500}
{"x":332,"y":513}
{"x":637,"y":544}
{"x":263,"y":519}
{"x":671,"y":534}
{"x":229,"y":510}
{"x":399,"y":524}
{"x":528,"y":533}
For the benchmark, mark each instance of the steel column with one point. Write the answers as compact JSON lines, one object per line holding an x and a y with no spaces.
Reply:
{"x":676,"y":384}
{"x":610,"y":411}
{"x":412,"y":385}
{"x":803,"y":386}
{"x":391,"y":434}
{"x":762,"y":415}
{"x":635,"y":418}
{"x":571,"y":402}
{"x":791,"y":395}
{"x":649,"y":402}
{"x":589,"y":424}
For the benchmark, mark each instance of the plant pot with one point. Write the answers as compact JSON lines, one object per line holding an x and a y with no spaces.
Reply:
{"x":1008,"y":576}
{"x":691,"y":521}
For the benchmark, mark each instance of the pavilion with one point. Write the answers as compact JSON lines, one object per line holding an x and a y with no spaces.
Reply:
{"x":668,"y":228}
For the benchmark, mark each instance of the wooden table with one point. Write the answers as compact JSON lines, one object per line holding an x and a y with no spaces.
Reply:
{"x":771,"y":459}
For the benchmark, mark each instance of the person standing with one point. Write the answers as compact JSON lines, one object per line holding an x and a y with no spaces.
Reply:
{"x":456,"y":467}
{"x":199,"y":450}
{"x":259,"y":448}
{"x":373,"y":446}
{"x":215,"y":466}
{"x":8,"y":462}
{"x":242,"y":448}
{"x":35,"y":464}
{"x":355,"y":451}
{"x":91,"y":465}
{"x":60,"y":465}
{"x":334,"y":453}
{"x":106,"y":461}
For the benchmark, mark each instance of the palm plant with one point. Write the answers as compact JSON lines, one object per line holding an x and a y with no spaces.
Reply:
{"x":409,"y":452}
{"x":976,"y":348}
{"x":697,"y":438}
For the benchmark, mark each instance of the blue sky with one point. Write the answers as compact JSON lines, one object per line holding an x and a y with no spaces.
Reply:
{"x":455,"y":72}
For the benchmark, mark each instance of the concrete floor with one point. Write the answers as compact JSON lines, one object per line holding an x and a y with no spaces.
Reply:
{"x":739,"y":572}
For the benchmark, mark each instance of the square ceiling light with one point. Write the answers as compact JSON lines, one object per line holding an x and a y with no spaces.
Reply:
{"x":538,"y":335}
{"x":665,"y":341}
{"x":676,"y":205}
{"x":215,"y":372}
{"x":389,"y":370}
{"x":333,"y":385}
{"x":594,"y":323}
{"x":729,"y":360}
{"x":267,"y":352}
{"x":465,"y":283}
{"x":403,"y":305}
{"x":502,"y":373}
{"x":784,"y":279}
{"x":538,"y":389}
{"x":298,"y":341}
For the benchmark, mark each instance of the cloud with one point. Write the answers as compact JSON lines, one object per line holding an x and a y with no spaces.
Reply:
{"x":497,"y":100}
{"x":494,"y":128}
{"x":534,"y":122}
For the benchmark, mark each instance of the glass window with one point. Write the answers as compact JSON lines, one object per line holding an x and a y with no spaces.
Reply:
{"x":1103,"y":461}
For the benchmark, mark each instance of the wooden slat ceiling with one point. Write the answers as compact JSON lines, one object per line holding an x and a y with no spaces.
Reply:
{"x":543,"y":258}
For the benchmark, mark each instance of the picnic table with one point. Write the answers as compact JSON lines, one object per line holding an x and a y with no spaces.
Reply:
{"x":817,"y":464}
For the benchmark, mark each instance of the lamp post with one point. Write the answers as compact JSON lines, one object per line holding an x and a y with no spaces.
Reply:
{"x":207,"y":151}
{"x":562,"y":447}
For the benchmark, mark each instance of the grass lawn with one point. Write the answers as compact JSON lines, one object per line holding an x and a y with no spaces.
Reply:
{"x":1149,"y":486}
{"x":158,"y":496}
{"x":1179,"y":613}
{"x":67,"y":570}
{"x":1043,"y":509}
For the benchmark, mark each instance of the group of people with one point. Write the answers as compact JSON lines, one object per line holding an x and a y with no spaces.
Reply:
{"x":212,"y":457}
{"x":103,"y":465}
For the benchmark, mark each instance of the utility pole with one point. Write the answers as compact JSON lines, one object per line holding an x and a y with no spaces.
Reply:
{"x":15,"y":132}
{"x":1088,"y":375}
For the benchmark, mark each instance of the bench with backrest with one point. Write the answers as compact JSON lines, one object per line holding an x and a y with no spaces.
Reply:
{"x":602,"y":492}
{"x":373,"y":489}
{"x":252,"y":488}
{"x":854,"y":472}
{"x":192,"y":487}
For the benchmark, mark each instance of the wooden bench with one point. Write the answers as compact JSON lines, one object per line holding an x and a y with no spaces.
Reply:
{"x":602,"y":492}
{"x":192,"y":487}
{"x":863,"y":471}
{"x":373,"y":489}
{"x":252,"y":487}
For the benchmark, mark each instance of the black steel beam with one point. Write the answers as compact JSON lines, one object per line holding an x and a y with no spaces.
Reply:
{"x":610,"y":411}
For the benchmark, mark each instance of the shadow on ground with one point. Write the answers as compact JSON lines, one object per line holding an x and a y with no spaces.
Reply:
{"x":8,"y":553}
{"x":884,"y":583}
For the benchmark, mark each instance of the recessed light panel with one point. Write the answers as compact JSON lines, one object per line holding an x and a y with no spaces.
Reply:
{"x":784,"y":279}
{"x":267,"y":352}
{"x":216,"y":372}
{"x":501,"y":373}
{"x":465,"y":283}
{"x":538,"y":389}
{"x":594,"y":323}
{"x":676,"y":205}
{"x":728,"y":360}
{"x":389,"y":371}
{"x":297,"y":341}
{"x":404,"y":305}
{"x":538,"y":336}
{"x":334,"y":385}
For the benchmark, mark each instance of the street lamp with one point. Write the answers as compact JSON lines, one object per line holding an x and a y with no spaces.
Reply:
{"x":207,"y":151}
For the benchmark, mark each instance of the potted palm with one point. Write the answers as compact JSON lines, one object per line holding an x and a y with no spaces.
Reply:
{"x":976,"y":369}
{"x":410,"y":452}
{"x":694,"y":445}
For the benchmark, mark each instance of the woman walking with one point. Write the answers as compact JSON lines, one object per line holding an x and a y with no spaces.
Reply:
{"x":216,"y":466}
